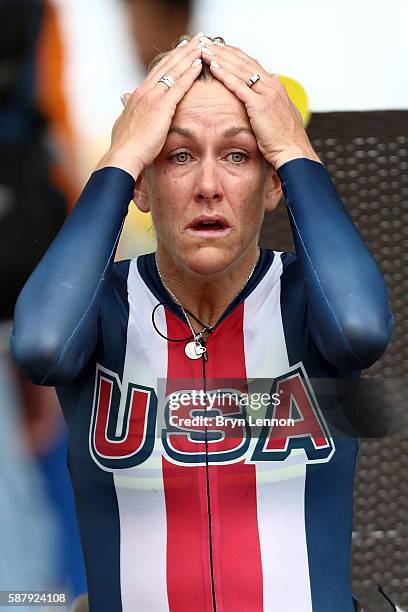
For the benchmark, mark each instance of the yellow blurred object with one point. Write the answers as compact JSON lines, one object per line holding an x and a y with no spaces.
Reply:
{"x":298,"y":96}
{"x":138,"y":234}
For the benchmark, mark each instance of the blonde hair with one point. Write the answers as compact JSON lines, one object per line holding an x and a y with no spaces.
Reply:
{"x":205,"y":74}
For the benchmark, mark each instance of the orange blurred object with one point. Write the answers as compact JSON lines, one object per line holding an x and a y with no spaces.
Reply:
{"x":52,"y":102}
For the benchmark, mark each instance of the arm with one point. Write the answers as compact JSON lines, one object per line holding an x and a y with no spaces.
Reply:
{"x":56,"y":315}
{"x":55,"y":319}
{"x":348,"y":311}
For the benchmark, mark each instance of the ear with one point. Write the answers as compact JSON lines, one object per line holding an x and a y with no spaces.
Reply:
{"x":140,"y":194}
{"x":273,"y":190}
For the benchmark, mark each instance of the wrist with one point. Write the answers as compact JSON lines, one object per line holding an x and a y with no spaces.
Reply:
{"x":295,"y":153}
{"x":121,"y":159}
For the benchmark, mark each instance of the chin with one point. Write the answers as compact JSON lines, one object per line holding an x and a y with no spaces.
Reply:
{"x":209,"y":260}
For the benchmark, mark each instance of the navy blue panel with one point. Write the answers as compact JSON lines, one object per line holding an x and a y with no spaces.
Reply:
{"x":329,"y":486}
{"x":328,"y":513}
{"x":55,"y":320}
{"x":96,"y":505}
{"x":113,"y":319}
{"x":349,"y":315}
{"x":95,"y":495}
{"x":294,"y":311}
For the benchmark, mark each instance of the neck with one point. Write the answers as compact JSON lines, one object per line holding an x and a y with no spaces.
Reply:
{"x":207,"y":296}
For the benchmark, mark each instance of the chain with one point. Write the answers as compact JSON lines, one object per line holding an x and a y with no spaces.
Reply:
{"x":197,"y":337}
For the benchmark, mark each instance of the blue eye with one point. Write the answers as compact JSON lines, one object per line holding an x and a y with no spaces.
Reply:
{"x":238,"y":157}
{"x":181,"y":157}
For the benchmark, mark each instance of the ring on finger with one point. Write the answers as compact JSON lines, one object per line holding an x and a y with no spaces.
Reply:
{"x":253,"y":79}
{"x":167,"y":80}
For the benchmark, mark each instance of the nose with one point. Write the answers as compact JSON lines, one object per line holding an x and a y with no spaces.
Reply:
{"x":208,"y":186}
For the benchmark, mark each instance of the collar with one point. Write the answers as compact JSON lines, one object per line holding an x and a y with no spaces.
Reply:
{"x":147,"y":269}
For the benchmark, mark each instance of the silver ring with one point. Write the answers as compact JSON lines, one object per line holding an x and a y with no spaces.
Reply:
{"x":253,"y":79}
{"x":167,"y":80}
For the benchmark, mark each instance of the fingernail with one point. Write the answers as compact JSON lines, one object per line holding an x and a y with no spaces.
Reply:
{"x":197,"y":61}
{"x":183,"y":42}
{"x":199,"y":34}
{"x":123,"y":99}
{"x":220,"y":44}
{"x":214,"y":64}
{"x":207,"y":51}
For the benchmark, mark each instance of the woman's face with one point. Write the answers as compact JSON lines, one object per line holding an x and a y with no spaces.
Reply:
{"x":209,"y":166}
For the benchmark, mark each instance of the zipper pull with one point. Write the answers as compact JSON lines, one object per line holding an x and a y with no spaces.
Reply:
{"x":203,"y":342}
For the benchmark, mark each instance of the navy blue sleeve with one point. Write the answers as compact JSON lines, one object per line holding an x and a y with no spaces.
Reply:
{"x":349,"y":316}
{"x":55,"y":328}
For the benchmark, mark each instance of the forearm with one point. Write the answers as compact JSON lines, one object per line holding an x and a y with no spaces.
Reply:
{"x":348,"y":310}
{"x":56,"y":315}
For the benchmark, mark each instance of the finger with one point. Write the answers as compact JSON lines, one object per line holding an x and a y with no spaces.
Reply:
{"x":234,"y":83}
{"x":184,"y":82}
{"x":236,"y":52}
{"x":177,"y":60}
{"x":173,"y":67}
{"x":223,"y":55}
{"x":179,"y":67}
{"x":243,"y":71}
{"x":175,"y":71}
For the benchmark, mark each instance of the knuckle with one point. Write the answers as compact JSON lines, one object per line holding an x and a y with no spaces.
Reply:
{"x":138,"y":93}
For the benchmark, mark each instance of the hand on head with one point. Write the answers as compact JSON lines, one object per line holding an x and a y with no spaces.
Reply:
{"x":141,"y":130}
{"x":275,"y":120}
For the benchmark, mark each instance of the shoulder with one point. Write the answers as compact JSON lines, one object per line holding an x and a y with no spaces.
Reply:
{"x":292,"y":281}
{"x":289,"y":260}
{"x":120,"y":271}
{"x":115,"y":296}
{"x":287,"y":263}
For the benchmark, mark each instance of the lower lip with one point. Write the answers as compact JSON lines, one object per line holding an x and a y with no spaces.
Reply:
{"x":210,"y":233}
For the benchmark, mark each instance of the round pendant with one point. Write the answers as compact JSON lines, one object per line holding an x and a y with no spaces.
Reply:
{"x":194,"y":350}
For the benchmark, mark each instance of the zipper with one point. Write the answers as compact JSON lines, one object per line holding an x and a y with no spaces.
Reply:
{"x":214,"y":603}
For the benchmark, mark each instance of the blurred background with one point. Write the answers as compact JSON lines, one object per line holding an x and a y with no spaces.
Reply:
{"x":63,"y":66}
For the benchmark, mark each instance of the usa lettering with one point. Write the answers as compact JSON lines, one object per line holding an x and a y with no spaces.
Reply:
{"x":124,"y":421}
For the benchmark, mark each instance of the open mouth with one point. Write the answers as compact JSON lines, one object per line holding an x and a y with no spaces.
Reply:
{"x":209,"y":228}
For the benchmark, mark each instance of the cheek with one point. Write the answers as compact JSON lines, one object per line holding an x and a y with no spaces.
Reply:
{"x":168,"y":203}
{"x":248,"y":200}
{"x":172,"y":185}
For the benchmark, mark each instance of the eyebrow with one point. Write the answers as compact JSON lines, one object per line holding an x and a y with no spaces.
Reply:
{"x":229,"y":133}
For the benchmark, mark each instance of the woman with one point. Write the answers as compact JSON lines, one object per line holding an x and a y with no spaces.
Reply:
{"x":204,"y":517}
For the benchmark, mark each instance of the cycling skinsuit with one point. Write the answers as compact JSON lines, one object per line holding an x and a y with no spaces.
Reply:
{"x":174,"y":517}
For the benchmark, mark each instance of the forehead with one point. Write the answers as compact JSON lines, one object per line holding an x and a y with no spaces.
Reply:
{"x":210,"y":103}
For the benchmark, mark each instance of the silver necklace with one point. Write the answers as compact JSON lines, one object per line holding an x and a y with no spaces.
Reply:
{"x":195,"y":349}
